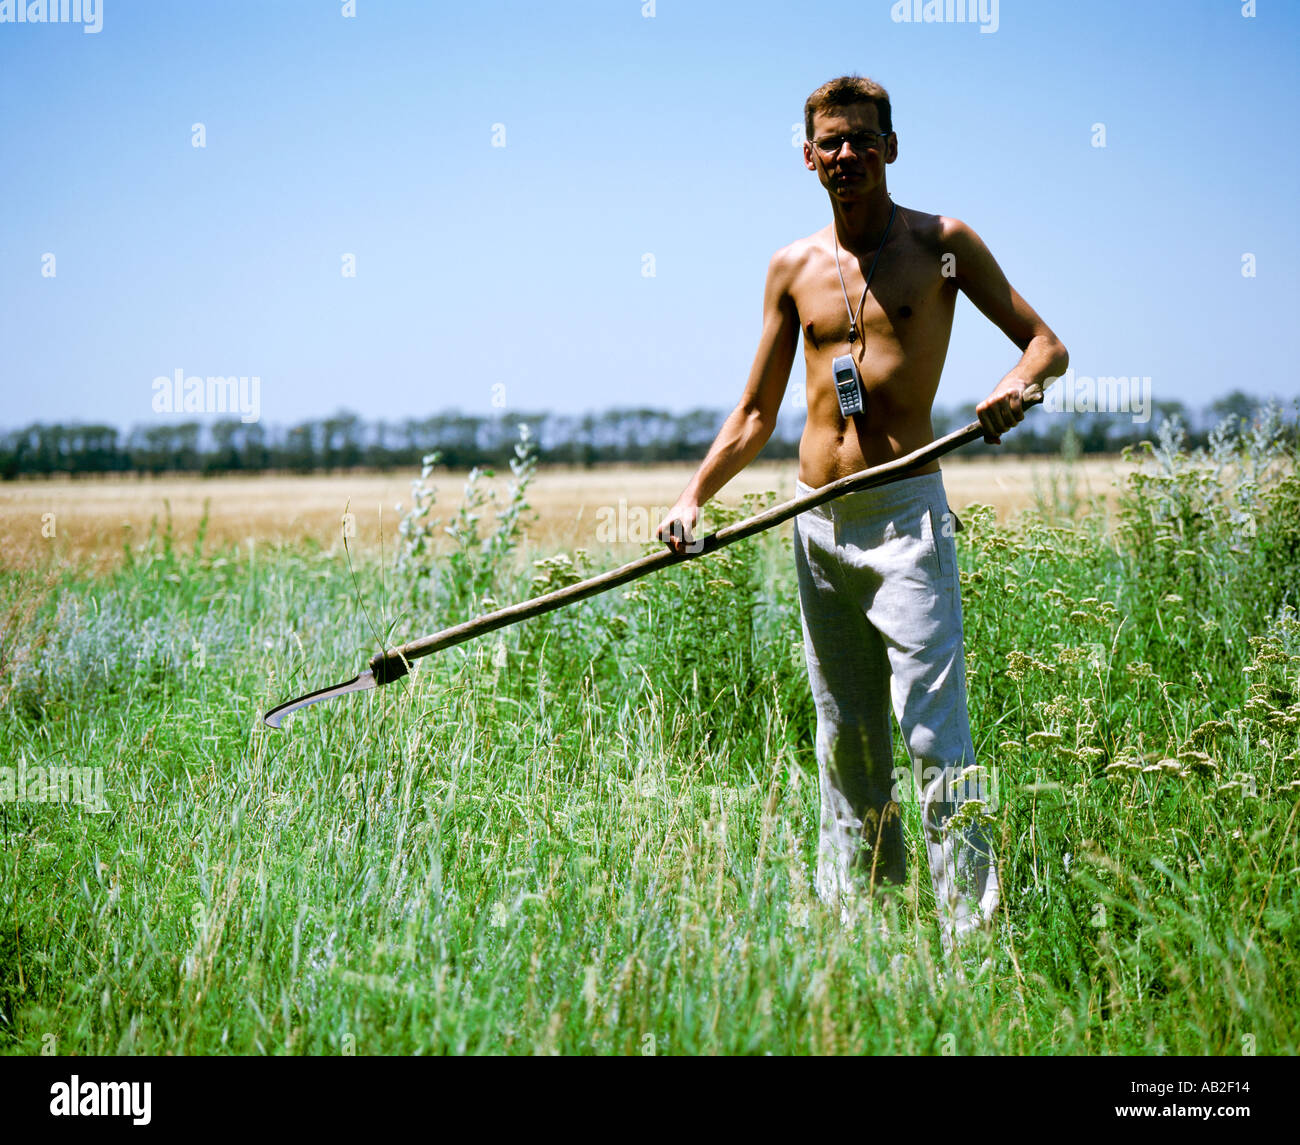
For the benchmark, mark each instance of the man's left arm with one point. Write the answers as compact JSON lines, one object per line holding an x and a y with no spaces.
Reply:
{"x":1043,"y":356}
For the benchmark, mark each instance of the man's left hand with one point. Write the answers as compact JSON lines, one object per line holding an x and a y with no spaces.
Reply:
{"x":1002,"y":409}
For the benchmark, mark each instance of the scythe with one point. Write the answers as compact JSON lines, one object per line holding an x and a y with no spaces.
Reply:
{"x":393,"y":664}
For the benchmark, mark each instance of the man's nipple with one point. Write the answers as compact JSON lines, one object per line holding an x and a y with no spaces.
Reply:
{"x":809,"y":336}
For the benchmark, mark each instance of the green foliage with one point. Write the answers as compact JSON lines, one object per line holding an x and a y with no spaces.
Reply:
{"x":455,"y":585}
{"x":594,"y":832}
{"x":417,"y":529}
{"x":1215,"y":533}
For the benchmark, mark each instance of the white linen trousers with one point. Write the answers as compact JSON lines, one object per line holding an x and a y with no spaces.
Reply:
{"x":880,"y":601}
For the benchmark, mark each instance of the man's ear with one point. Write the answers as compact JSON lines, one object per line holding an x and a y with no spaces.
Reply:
{"x":891,"y":149}
{"x":808,"y":160}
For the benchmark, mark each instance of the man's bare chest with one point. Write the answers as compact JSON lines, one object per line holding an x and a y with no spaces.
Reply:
{"x":910,"y":294}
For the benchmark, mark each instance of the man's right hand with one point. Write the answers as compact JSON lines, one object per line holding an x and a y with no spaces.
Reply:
{"x":677,"y":529}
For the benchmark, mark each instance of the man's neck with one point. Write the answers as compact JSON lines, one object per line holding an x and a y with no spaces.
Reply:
{"x":861,"y":225}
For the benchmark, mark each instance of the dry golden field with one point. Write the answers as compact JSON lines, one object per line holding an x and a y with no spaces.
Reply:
{"x":93,"y":519}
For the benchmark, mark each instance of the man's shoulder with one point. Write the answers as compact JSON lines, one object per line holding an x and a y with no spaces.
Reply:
{"x":950,"y":232}
{"x":924,"y":227}
{"x":795,"y":254}
{"x":792,"y":259}
{"x":934,"y":232}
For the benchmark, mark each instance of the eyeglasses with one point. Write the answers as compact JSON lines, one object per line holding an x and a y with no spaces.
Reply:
{"x":830,"y":145}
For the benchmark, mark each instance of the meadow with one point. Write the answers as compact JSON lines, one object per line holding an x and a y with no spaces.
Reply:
{"x":90,"y":522}
{"x":595,"y":832}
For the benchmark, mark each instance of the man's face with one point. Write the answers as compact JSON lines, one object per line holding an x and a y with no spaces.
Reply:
{"x":854,"y":171}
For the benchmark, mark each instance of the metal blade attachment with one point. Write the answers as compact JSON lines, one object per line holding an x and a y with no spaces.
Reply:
{"x":362,"y":683}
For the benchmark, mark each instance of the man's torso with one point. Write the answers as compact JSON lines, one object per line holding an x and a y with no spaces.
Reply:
{"x":902,"y":341}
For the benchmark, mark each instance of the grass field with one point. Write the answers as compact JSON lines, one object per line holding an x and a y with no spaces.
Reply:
{"x":94,"y":520}
{"x":595,"y":832}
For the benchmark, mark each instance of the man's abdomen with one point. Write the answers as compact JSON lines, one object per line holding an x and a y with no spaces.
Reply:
{"x":826,"y":453}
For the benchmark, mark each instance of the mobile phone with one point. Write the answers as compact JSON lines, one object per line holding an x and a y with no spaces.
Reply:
{"x":848,"y":384}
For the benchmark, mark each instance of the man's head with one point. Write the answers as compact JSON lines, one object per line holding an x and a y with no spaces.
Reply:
{"x":849,"y":129}
{"x":845,"y":92}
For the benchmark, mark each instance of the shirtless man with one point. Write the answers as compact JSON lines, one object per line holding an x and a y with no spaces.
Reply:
{"x":879,"y":594}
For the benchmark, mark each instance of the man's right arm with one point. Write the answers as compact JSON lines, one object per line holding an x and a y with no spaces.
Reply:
{"x":751,"y":423}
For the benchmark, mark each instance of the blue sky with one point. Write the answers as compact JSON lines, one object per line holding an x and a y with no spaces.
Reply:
{"x":625,"y":135}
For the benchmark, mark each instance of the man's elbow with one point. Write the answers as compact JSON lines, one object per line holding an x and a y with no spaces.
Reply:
{"x":762,"y":425}
{"x":759,"y":421}
{"x":1059,"y":356}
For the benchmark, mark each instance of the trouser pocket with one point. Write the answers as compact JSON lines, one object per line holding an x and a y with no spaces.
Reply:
{"x":931,"y":523}
{"x":941,"y":528}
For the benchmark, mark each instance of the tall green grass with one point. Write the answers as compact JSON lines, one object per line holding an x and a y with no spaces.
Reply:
{"x":594,"y":832}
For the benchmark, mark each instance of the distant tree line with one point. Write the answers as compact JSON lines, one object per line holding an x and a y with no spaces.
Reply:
{"x":346,"y":441}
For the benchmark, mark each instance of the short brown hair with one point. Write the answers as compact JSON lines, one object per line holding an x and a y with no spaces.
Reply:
{"x":844,"y":92}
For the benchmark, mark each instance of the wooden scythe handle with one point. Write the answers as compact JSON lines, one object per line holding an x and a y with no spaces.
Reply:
{"x":395,"y":663}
